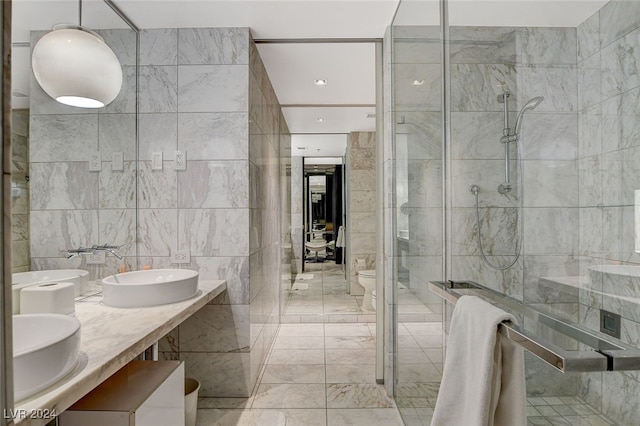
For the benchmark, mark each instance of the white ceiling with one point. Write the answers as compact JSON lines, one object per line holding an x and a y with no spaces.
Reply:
{"x":292,"y":68}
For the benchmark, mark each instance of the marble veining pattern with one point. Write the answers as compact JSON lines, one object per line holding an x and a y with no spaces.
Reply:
{"x":475,"y":87}
{"x":53,"y":232}
{"x":588,"y":37}
{"x":482,"y":45}
{"x":117,"y":133}
{"x":158,"y":88}
{"x":557,"y":85}
{"x":159,"y":46}
{"x":63,"y":137}
{"x":213,"y":136}
{"x":213,"y":88}
{"x":64,"y":185}
{"x":214,"y":184}
{"x":213,"y":232}
{"x":620,"y":65}
{"x":210,"y":46}
{"x":548,"y":46}
{"x":117,"y":188}
{"x":111,"y":337}
{"x":158,"y":132}
{"x":157,"y":188}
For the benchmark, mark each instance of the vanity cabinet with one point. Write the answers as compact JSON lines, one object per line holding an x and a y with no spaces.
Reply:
{"x":142,"y":393}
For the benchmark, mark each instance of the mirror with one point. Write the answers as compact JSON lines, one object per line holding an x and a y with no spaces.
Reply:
{"x":60,"y":200}
{"x":324,"y":211}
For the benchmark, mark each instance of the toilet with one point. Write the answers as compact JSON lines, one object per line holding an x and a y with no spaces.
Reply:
{"x":367,"y":279}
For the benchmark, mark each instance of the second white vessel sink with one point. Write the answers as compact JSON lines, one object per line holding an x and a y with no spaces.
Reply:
{"x":46,"y":348}
{"x":149,"y":288}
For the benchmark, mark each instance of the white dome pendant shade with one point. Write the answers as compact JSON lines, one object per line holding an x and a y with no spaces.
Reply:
{"x":75,"y":67}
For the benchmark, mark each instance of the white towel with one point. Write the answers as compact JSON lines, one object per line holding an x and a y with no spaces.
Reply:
{"x":340,"y":239}
{"x":483,"y":380}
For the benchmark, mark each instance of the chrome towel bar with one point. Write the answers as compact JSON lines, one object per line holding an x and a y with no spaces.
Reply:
{"x":605,"y":353}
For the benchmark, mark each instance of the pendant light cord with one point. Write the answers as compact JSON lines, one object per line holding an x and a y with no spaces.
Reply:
{"x":80,"y":13}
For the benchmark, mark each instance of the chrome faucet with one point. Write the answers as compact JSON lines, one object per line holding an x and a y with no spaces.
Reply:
{"x":93,"y":249}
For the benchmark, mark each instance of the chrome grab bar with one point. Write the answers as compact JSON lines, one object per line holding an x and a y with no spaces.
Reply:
{"x":606,"y":353}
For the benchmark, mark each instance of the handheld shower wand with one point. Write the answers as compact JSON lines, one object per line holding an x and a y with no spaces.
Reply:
{"x":508,"y":137}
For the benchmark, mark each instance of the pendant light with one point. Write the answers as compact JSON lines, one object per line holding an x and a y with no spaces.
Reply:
{"x":75,"y":66}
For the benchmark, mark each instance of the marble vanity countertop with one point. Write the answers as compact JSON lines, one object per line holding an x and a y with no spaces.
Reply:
{"x":110,"y":338}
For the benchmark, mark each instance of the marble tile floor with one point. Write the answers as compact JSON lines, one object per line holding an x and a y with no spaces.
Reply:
{"x":316,"y":374}
{"x":319,"y":295}
{"x":563,"y":411}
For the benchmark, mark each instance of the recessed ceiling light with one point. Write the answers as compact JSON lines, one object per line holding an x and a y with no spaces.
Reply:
{"x":418,"y":82}
{"x":320,"y":120}
{"x":321,"y":82}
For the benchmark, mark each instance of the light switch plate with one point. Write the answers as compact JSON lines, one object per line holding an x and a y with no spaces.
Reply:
{"x":156,"y":160}
{"x":180,"y":256}
{"x":95,"y":162}
{"x":180,"y":160}
{"x":97,"y":258}
{"x":117,"y":161}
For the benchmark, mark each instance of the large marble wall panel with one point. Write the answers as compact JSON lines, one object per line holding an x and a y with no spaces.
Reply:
{"x":20,"y":191}
{"x":618,"y":18}
{"x":554,"y":46}
{"x":297,"y":230}
{"x":207,"y":46}
{"x":213,"y":88}
{"x":159,"y":47}
{"x":588,"y":37}
{"x":483,"y":45}
{"x":361,"y":157}
{"x":267,"y":142}
{"x":475,"y":87}
{"x":213,"y":136}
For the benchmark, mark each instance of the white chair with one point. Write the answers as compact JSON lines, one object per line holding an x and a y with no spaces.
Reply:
{"x":317,"y":246}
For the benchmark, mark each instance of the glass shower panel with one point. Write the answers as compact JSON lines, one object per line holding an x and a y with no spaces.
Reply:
{"x":574,"y":167}
{"x":417,"y":152}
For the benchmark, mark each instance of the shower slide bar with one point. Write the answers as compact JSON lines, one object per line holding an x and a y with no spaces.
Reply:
{"x":605,"y":354}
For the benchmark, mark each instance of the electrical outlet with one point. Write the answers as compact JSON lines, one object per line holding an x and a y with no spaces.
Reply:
{"x":95,"y":162}
{"x":97,"y":258}
{"x":180,"y":160}
{"x":180,"y":256}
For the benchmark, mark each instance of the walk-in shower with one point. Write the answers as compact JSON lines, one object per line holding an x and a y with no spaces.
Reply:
{"x":505,"y":188}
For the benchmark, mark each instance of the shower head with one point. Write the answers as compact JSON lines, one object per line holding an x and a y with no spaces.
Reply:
{"x":532,"y":104}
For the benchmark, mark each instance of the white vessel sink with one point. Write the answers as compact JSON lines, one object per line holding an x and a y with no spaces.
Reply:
{"x":20,"y":280}
{"x":149,"y":288}
{"x":46,"y":347}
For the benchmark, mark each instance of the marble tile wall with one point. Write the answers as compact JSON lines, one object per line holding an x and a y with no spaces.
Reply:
{"x":286,"y":199}
{"x":297,"y":229}
{"x":71,"y":206}
{"x":20,"y":258}
{"x":268,"y":132}
{"x":202,"y":91}
{"x":608,"y":124}
{"x":361,"y":222}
